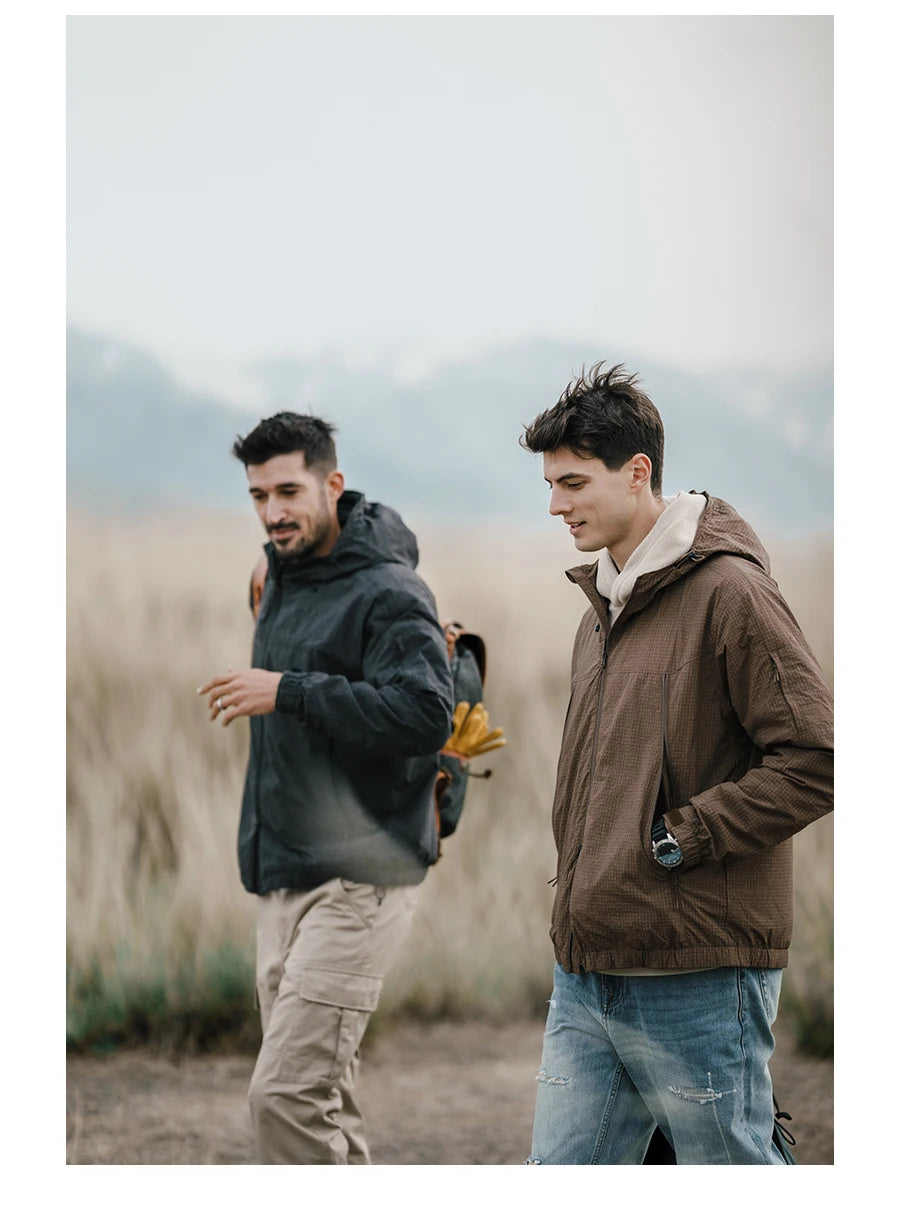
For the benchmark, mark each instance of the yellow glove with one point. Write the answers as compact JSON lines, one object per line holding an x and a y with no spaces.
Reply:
{"x":471,"y":735}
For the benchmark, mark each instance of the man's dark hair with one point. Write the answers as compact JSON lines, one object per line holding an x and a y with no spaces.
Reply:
{"x":602,"y":415}
{"x":287,"y":432}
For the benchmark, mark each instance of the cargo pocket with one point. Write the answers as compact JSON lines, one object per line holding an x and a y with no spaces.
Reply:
{"x":340,"y":988}
{"x":335,"y":1007}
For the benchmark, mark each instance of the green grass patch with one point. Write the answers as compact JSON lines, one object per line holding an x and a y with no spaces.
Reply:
{"x":186,"y":1009}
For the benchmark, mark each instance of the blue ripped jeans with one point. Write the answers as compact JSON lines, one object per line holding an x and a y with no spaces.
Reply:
{"x":688,"y":1052}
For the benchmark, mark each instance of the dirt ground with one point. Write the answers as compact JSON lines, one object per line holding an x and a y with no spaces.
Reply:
{"x":443,"y":1094}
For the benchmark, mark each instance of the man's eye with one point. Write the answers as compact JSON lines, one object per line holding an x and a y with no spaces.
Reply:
{"x":579,"y":485}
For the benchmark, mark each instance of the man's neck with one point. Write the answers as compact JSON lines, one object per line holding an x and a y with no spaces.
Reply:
{"x":644,"y":522}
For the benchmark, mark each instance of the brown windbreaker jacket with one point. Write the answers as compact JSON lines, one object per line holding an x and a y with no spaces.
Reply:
{"x":705,"y":665}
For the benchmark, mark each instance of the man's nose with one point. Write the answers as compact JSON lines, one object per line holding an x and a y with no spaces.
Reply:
{"x":559,"y":503}
{"x":275,"y":510}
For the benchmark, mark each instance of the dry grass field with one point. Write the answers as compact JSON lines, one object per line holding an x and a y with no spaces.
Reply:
{"x":160,"y":936}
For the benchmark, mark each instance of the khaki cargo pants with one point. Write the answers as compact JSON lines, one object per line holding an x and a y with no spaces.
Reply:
{"x":321,"y":957}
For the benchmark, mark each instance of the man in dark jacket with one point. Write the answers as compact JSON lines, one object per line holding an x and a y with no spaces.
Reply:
{"x":349,"y":699}
{"x":697,"y":741}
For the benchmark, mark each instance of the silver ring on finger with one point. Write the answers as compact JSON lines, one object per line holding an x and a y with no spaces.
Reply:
{"x":220,"y":703}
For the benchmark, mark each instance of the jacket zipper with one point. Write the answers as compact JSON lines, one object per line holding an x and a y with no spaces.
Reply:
{"x":271,"y":609}
{"x":603,"y":661}
{"x":596,"y":726}
{"x":570,"y":871}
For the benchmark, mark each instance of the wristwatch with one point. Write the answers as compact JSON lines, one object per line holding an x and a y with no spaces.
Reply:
{"x":664,"y":845}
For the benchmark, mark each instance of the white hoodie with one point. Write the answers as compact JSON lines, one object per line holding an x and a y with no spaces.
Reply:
{"x":669,"y":539}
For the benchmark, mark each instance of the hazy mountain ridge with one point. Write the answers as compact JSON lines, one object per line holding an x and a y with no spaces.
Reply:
{"x":442,"y":445}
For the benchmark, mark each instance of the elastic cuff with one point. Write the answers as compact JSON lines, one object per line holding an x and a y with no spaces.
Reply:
{"x":290,"y":697}
{"x":683,"y":824}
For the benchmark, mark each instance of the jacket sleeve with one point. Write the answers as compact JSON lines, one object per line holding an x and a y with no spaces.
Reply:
{"x":781,"y":699}
{"x":403,"y":705}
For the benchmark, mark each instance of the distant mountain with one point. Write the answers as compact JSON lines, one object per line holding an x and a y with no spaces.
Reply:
{"x":136,"y":439}
{"x":443,"y":445}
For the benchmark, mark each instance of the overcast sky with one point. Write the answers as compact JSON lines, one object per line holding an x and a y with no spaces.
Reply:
{"x":239,"y":186}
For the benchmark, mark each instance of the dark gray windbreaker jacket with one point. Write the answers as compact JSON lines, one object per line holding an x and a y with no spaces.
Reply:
{"x":341,"y":774}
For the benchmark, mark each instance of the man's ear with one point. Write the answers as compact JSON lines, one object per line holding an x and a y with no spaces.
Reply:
{"x":641,"y":470}
{"x":334,"y":484}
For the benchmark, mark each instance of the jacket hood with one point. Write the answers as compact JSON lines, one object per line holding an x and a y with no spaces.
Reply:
{"x":371,"y":534}
{"x":720,"y":530}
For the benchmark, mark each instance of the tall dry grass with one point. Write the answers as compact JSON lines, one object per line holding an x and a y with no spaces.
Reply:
{"x":160,"y":932}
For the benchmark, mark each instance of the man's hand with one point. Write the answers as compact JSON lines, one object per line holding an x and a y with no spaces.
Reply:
{"x":249,"y":691}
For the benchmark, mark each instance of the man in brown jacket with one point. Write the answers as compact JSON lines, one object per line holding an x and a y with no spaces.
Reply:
{"x":697,"y":741}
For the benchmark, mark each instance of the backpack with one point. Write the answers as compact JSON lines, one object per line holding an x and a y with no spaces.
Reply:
{"x":468,"y":666}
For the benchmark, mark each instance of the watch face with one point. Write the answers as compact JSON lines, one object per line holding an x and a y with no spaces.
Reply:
{"x":667,"y":852}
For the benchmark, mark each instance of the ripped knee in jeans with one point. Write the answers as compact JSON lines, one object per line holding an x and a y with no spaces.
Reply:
{"x":700,"y":1096}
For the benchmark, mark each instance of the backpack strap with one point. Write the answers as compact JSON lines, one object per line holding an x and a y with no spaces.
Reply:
{"x":257,"y":582}
{"x":455,"y":632}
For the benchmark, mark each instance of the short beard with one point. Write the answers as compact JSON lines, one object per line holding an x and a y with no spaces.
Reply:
{"x":307,"y":545}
